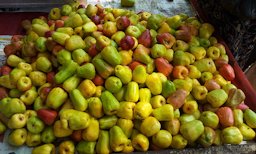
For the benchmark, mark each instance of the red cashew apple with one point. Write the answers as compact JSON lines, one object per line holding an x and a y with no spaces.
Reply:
{"x":5,"y":70}
{"x":220,"y":62}
{"x":98,"y":80}
{"x":177,"y":98}
{"x":134,"y":64}
{"x":180,"y":72}
{"x":92,"y":51}
{"x":166,"y":39}
{"x":59,"y":23}
{"x":145,"y":39}
{"x":226,"y":116}
{"x":242,"y":106}
{"x":227,"y":72}
{"x":163,"y":66}
{"x":76,"y":135}
{"x":127,"y":43}
{"x":123,"y":22}
{"x":9,"y":50}
{"x":48,"y":116}
{"x":50,"y":77}
{"x":96,"y":19}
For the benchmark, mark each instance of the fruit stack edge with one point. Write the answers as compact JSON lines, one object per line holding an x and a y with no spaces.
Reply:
{"x":241,"y":80}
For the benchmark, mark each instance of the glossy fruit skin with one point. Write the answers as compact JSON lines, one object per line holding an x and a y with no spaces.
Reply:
{"x":247,"y":132}
{"x":145,"y":38}
{"x":209,"y":119}
{"x":67,"y":71}
{"x":102,"y":145}
{"x":199,"y":92}
{"x":164,"y":113}
{"x":118,"y":36}
{"x":29,"y":96}
{"x":192,"y":130}
{"x":190,"y":107}
{"x":206,"y":30}
{"x":180,"y":58}
{"x":2,"y":128}
{"x":71,"y":83}
{"x":33,"y":139}
{"x":10,"y":106}
{"x":113,"y":84}
{"x":108,"y":121}
{"x":123,"y":22}
{"x":78,"y":101}
{"x":14,"y":60}
{"x":150,"y":121}
{"x":24,"y":83}
{"x":168,"y":88}
{"x":91,"y":133}
{"x":102,"y":67}
{"x":117,"y":139}
{"x":177,"y":98}
{"x":139,"y":74}
{"x":126,"y":110}
{"x":173,"y":126}
{"x":47,"y":148}
{"x":95,"y":107}
{"x":226,"y":116}
{"x":127,"y":42}
{"x":111,"y":55}
{"x":73,"y":119}
{"x":86,"y":71}
{"x":35,"y":125}
{"x":140,"y":142}
{"x":48,"y":116}
{"x":158,"y":50}
{"x":124,"y":73}
{"x":132,"y":92}
{"x":127,"y":3}
{"x":163,"y":66}
{"x":184,"y":118}
{"x":17,"y":121}
{"x":154,"y":83}
{"x":47,"y":135}
{"x":231,"y":135}
{"x":249,"y":117}
{"x":109,"y":102}
{"x":213,"y":97}
{"x":56,"y":98}
{"x":87,"y":88}
{"x":162,"y":139}
{"x":227,"y":72}
{"x":67,"y":147}
{"x":142,"y":110}
{"x":156,"y":101}
{"x":17,"y":137}
{"x":60,"y":131}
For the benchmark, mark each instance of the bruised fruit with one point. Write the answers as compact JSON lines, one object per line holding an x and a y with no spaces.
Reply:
{"x":177,"y":98}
